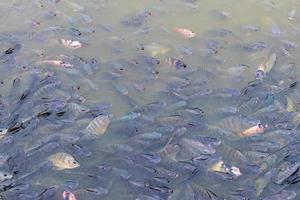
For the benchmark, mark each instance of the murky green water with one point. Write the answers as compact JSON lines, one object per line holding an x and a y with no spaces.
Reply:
{"x":122,"y":66}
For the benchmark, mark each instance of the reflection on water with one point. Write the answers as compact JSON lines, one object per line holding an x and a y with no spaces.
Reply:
{"x":137,"y":99}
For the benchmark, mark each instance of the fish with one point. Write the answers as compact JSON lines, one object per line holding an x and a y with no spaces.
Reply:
{"x":220,"y":14}
{"x":259,"y":128}
{"x":62,"y":160}
{"x":71,"y":44}
{"x":68,"y":195}
{"x":177,"y":63}
{"x":98,"y":125}
{"x":285,"y":171}
{"x":48,"y":193}
{"x":57,"y":63}
{"x":196,"y":148}
{"x":156,"y":49}
{"x":292,"y":15}
{"x":276,"y":32}
{"x":137,"y":20}
{"x":283,"y":194}
{"x":4,"y":175}
{"x":219,"y":167}
{"x":265,"y":68}
{"x":186,"y":33}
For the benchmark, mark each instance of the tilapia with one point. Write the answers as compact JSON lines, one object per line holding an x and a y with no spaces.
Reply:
{"x":62,"y":160}
{"x":98,"y":125}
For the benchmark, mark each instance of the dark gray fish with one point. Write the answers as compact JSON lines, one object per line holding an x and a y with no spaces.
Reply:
{"x":257,"y":46}
{"x":285,"y":170}
{"x":16,"y":48}
{"x":152,"y":61}
{"x":148,"y":197}
{"x":220,"y":14}
{"x":221,"y":32}
{"x":276,"y":32}
{"x":70,"y":185}
{"x":15,"y":90}
{"x":196,"y":148}
{"x":153,"y":158}
{"x":48,"y":193}
{"x":4,"y":110}
{"x":122,"y":173}
{"x":137,"y":20}
{"x":77,"y":150}
{"x":108,"y":28}
{"x":177,"y":63}
{"x":143,"y":30}
{"x":17,"y":162}
{"x":284,"y":194}
{"x":90,"y":193}
{"x":75,"y":32}
{"x":185,"y":50}
{"x":151,"y":108}
{"x":251,"y":28}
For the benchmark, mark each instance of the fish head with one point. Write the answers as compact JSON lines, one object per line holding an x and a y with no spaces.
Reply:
{"x":190,"y":34}
{"x":72,"y":163}
{"x":67,"y":195}
{"x":5,"y":176}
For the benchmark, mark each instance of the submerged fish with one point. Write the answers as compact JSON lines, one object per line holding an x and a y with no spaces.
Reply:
{"x":62,"y":160}
{"x":186,"y":33}
{"x":259,"y":128}
{"x":57,"y":63}
{"x":67,"y":195}
{"x":177,"y":63}
{"x":156,"y":49}
{"x":72,"y":44}
{"x":266,"y":67}
{"x":98,"y":125}
{"x":5,"y":176}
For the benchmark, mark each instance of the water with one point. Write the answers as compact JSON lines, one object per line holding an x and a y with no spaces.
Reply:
{"x":169,"y":126}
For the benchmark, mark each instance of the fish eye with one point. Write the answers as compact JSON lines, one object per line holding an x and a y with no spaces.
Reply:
{"x":74,"y":162}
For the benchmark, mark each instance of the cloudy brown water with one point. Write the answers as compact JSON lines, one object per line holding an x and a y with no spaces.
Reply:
{"x":111,"y":68}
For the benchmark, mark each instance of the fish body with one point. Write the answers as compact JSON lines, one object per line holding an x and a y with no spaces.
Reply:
{"x":156,"y":49}
{"x":57,"y":63}
{"x":71,"y":44}
{"x":62,"y":160}
{"x":177,"y":63}
{"x":67,"y":195}
{"x":98,"y":125}
{"x":186,"y":33}
{"x":253,"y":130}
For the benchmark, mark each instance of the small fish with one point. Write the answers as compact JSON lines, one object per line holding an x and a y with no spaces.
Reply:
{"x":219,"y":167}
{"x":62,"y":160}
{"x":72,"y":44}
{"x":98,"y":125}
{"x":259,"y":128}
{"x":291,"y":15}
{"x":290,"y":106}
{"x":67,"y":195}
{"x":235,"y":171}
{"x":177,"y":63}
{"x":3,"y":132}
{"x":266,"y":67}
{"x":156,"y":49}
{"x":284,"y":194}
{"x":186,"y":33}
{"x":57,"y":63}
{"x":276,"y":32}
{"x":285,"y":171}
{"x":5,"y":176}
